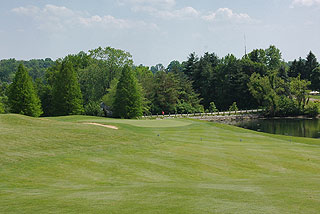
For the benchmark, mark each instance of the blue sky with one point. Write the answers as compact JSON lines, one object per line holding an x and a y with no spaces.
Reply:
{"x":158,"y":31}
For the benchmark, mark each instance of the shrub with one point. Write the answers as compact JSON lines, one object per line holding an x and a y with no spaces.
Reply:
{"x":184,"y":107}
{"x":233,"y":107}
{"x":93,"y":109}
{"x":213,"y":107}
{"x":287,"y":107}
{"x":312,"y":109}
{"x":1,"y":108}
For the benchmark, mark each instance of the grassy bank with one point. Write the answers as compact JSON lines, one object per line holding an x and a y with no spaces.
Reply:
{"x":61,"y":165}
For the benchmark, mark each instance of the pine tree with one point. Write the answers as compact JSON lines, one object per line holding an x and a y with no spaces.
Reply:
{"x":128,"y":98}
{"x":310,"y":65}
{"x":315,"y":79}
{"x":22,"y":97}
{"x":67,"y":97}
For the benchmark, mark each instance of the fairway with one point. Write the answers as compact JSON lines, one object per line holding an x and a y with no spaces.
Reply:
{"x":61,"y":165}
{"x":157,"y":123}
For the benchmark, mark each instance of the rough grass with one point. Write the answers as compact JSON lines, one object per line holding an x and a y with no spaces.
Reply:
{"x":60,"y":165}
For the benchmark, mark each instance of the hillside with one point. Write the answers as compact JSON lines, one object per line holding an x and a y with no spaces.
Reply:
{"x":61,"y":165}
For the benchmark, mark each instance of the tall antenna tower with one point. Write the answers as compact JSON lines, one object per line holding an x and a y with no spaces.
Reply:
{"x":245,"y":45}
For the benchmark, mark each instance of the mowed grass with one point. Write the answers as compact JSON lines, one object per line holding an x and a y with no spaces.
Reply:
{"x":61,"y":165}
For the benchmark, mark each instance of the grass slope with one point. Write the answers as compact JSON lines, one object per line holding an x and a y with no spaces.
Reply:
{"x":60,"y":165}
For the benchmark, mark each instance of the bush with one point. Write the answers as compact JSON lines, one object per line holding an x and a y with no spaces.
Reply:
{"x":287,"y":107}
{"x":1,"y":108}
{"x":184,"y":107}
{"x":312,"y":109}
{"x":4,"y":105}
{"x":213,"y":107}
{"x":233,"y":107}
{"x":93,"y":109}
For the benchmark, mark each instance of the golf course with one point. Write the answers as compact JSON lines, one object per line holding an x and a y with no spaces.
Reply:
{"x":84,"y":164}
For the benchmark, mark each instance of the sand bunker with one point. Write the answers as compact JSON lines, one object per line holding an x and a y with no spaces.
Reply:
{"x":106,"y":126}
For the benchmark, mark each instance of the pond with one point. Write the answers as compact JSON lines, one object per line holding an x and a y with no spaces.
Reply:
{"x":291,"y":127}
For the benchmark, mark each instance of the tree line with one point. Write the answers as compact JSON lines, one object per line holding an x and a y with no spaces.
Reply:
{"x":105,"y":82}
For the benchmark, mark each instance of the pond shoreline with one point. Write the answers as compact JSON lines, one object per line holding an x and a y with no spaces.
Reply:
{"x":234,"y":119}
{"x":227,"y":119}
{"x":249,"y":116}
{"x":300,"y":126}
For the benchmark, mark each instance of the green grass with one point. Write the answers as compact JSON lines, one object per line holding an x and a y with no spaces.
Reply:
{"x":60,"y":165}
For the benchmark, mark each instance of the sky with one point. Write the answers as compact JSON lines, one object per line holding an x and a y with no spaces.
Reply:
{"x":158,"y":31}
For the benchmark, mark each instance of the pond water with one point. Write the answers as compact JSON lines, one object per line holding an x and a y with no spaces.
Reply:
{"x":291,"y":127}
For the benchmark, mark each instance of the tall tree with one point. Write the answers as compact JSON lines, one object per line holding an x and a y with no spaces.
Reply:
{"x":166,"y":92}
{"x":22,"y":97}
{"x":174,"y":67}
{"x":273,"y":56}
{"x":310,"y":65}
{"x":315,"y":79}
{"x":128,"y":99}
{"x":258,"y":56}
{"x":299,"y":89}
{"x":189,"y":101}
{"x":190,"y":65}
{"x":146,"y":79}
{"x":7,"y":69}
{"x":110,"y":63}
{"x":204,"y":77}
{"x":297,"y":68}
{"x":157,"y":68}
{"x":263,"y":89}
{"x":67,"y":97}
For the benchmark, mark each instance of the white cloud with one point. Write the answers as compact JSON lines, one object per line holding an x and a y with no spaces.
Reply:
{"x":183,"y":13}
{"x":55,"y":18}
{"x":163,"y":4}
{"x":107,"y":21}
{"x":161,"y":8}
{"x":307,"y":3}
{"x":227,"y":15}
{"x":26,"y":10}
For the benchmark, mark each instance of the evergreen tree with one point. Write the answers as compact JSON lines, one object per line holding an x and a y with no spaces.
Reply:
{"x":128,"y":98}
{"x":188,"y":99}
{"x":310,"y":65}
{"x":297,"y":68}
{"x":67,"y":97}
{"x":22,"y":97}
{"x":283,"y":74}
{"x":315,"y":79}
{"x":190,"y":65}
{"x":204,"y":77}
{"x":166,"y":92}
